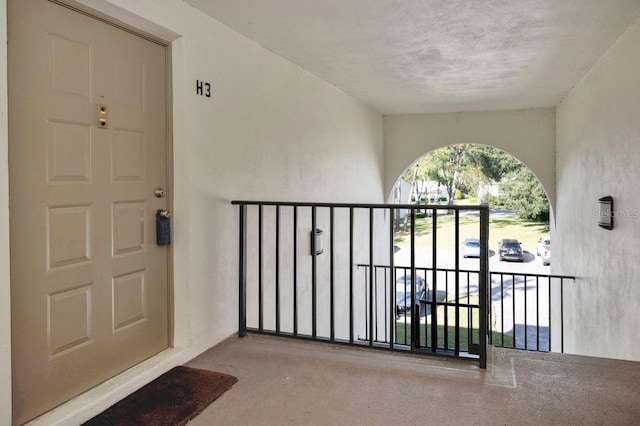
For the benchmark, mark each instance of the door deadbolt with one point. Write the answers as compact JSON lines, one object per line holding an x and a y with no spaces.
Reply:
{"x":159,"y":192}
{"x":103,"y":116}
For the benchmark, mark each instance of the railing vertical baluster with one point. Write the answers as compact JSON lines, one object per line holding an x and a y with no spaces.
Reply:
{"x":457,"y":282}
{"x":404,"y":272}
{"x":537,"y":314}
{"x":549,"y":306}
{"x":277,"y":269}
{"x":415,"y":329}
{"x":513,"y":299}
{"x":242,"y":273}
{"x":493,"y":315}
{"x":434,"y":309}
{"x":470,"y":324}
{"x":484,"y":275}
{"x":502,"y":309}
{"x":561,"y":315}
{"x":375,"y":302}
{"x":314,"y":273}
{"x":392,"y":292}
{"x":446,"y":311}
{"x":371,"y":278}
{"x":260,"y":289}
{"x":469,"y":333}
{"x":384,"y":300}
{"x":332,"y":312}
{"x":295,"y":270}
{"x":351,"y":262}
{"x":526,"y":331}
{"x":366,"y":302}
{"x":457,"y":313}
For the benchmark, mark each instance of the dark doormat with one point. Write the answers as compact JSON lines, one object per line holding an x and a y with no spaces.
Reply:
{"x":172,"y":399}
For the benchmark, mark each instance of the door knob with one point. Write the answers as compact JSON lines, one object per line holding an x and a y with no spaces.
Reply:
{"x":165,"y":213}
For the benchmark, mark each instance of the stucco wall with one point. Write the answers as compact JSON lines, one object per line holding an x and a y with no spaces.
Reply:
{"x":598,"y":142}
{"x":528,"y":135}
{"x":270,"y":131}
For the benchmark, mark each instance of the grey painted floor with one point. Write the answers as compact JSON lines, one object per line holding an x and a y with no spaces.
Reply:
{"x":289,"y":382}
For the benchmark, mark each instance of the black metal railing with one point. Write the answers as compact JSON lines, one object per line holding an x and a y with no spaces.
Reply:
{"x":522,"y":308}
{"x":291,"y":283}
{"x":525,"y":309}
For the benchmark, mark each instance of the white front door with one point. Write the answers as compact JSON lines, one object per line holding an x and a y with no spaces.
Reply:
{"x":88,"y":283}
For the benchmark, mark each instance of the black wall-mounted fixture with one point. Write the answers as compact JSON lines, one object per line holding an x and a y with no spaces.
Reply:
{"x":605,"y":215}
{"x":317,"y":238}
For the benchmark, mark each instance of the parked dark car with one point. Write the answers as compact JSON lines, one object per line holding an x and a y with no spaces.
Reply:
{"x":510,"y":250}
{"x":403,"y":294}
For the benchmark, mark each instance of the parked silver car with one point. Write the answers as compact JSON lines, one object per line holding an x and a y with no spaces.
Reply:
{"x":471,"y":247}
{"x":403,"y":294}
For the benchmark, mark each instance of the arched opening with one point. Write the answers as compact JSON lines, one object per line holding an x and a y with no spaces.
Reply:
{"x":481,"y":174}
{"x":519,"y":240}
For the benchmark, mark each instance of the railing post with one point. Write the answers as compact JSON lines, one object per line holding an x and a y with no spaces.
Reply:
{"x":332,"y":290}
{"x":242,"y":273}
{"x":371,"y":278}
{"x":484,"y":278}
{"x":415,"y":324}
{"x":434,"y":307}
{"x":277,"y":264}
{"x":351,"y":262}
{"x":561,"y":315}
{"x":392,"y":292}
{"x":457,"y":292}
{"x":295,"y":270}
{"x":314,"y":274}
{"x":260,"y":287}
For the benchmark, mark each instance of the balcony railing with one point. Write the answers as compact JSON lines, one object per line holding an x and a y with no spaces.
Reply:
{"x":521,"y":309}
{"x":299,"y":276}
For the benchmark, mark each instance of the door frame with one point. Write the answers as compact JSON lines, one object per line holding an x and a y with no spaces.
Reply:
{"x":125,"y":382}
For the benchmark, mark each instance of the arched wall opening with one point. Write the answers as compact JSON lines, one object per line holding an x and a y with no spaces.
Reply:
{"x":465,"y":174}
{"x":480,"y":186}
{"x":528,"y":135}
{"x":512,"y":326}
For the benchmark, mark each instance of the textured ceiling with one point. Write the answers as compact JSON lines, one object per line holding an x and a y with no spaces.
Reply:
{"x":417,"y":56}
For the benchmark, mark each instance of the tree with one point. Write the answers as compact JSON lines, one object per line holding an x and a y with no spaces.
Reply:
{"x":465,"y":166}
{"x":493,"y":163}
{"x":523,"y":193}
{"x":446,"y":166}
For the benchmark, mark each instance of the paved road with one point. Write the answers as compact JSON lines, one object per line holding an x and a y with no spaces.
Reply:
{"x":508,"y":296}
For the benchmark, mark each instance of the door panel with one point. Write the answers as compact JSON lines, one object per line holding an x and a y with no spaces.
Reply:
{"x":88,"y":283}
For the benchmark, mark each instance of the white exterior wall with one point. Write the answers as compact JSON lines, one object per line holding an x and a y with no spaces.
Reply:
{"x":598,"y":154}
{"x":267,"y":121}
{"x":528,"y":135}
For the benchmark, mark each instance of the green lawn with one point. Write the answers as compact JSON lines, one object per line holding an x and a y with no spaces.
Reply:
{"x":403,"y":331}
{"x":527,"y":232}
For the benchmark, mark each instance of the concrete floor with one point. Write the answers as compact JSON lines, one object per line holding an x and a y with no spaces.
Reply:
{"x":290,"y":382}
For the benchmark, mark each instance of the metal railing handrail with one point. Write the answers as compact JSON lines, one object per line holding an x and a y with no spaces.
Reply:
{"x":501,"y":274}
{"x":520,"y":274}
{"x":470,"y":207}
